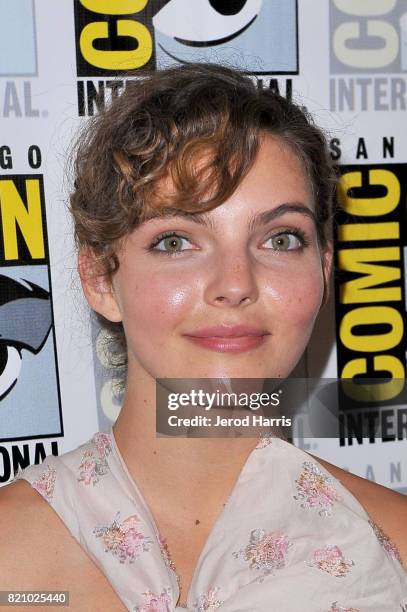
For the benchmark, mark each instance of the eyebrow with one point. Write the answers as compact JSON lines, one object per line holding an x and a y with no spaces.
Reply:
{"x":256,"y":220}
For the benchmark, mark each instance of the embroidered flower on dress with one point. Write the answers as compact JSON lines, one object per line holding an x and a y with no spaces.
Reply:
{"x":155,"y":603}
{"x":337,"y":607}
{"x":46,"y":482}
{"x":166,"y":554}
{"x":124,"y":540}
{"x":265,"y":551}
{"x":94,"y":462}
{"x":315,"y":489}
{"x":385,"y":541}
{"x":264,"y":441}
{"x":208,"y":602}
{"x":330,"y":559}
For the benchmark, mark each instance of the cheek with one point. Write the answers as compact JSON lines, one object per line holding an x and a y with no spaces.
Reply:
{"x":157,"y":304}
{"x":295,"y":298}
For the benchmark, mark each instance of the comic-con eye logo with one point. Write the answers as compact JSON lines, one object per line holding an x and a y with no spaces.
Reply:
{"x":227,"y":20}
{"x":114,"y":36}
{"x":30,"y":403}
{"x":25,"y":322}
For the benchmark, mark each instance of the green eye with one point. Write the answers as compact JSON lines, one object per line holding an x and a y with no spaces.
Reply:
{"x":286,"y":241}
{"x":169,"y":244}
{"x":172,"y":243}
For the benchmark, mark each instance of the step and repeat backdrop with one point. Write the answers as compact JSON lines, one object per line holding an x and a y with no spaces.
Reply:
{"x":60,"y":62}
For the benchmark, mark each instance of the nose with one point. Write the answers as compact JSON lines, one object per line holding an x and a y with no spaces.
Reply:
{"x":233,"y":280}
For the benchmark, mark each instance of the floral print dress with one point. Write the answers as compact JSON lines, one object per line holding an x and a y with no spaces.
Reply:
{"x":291,"y":538}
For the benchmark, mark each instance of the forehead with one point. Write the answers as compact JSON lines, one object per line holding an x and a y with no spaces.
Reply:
{"x":277,"y":170}
{"x":276,"y":176}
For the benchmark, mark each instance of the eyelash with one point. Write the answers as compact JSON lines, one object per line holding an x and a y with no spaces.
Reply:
{"x":295,"y":231}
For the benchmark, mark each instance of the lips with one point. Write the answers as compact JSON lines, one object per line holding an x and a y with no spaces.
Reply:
{"x":229,"y":338}
{"x":228,"y":331}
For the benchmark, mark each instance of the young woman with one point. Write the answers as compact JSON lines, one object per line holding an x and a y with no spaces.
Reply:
{"x":202,"y":209}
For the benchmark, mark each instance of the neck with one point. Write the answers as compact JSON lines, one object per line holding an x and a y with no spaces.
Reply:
{"x":175,"y":464}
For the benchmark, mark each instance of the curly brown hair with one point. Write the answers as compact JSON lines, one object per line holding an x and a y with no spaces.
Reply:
{"x":201,"y":124}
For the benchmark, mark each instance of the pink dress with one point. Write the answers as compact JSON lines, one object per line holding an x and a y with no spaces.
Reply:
{"x":290,"y":538}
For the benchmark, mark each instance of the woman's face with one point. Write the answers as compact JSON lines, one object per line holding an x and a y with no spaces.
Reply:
{"x":247,"y":262}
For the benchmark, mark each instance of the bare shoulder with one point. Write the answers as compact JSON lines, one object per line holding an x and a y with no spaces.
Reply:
{"x":386,"y":508}
{"x":27,"y":541}
{"x":38,"y":552}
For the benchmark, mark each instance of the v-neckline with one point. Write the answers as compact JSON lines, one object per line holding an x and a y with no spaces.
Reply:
{"x":220,"y":517}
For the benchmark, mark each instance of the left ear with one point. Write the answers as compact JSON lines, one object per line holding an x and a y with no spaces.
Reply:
{"x":327,"y":261}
